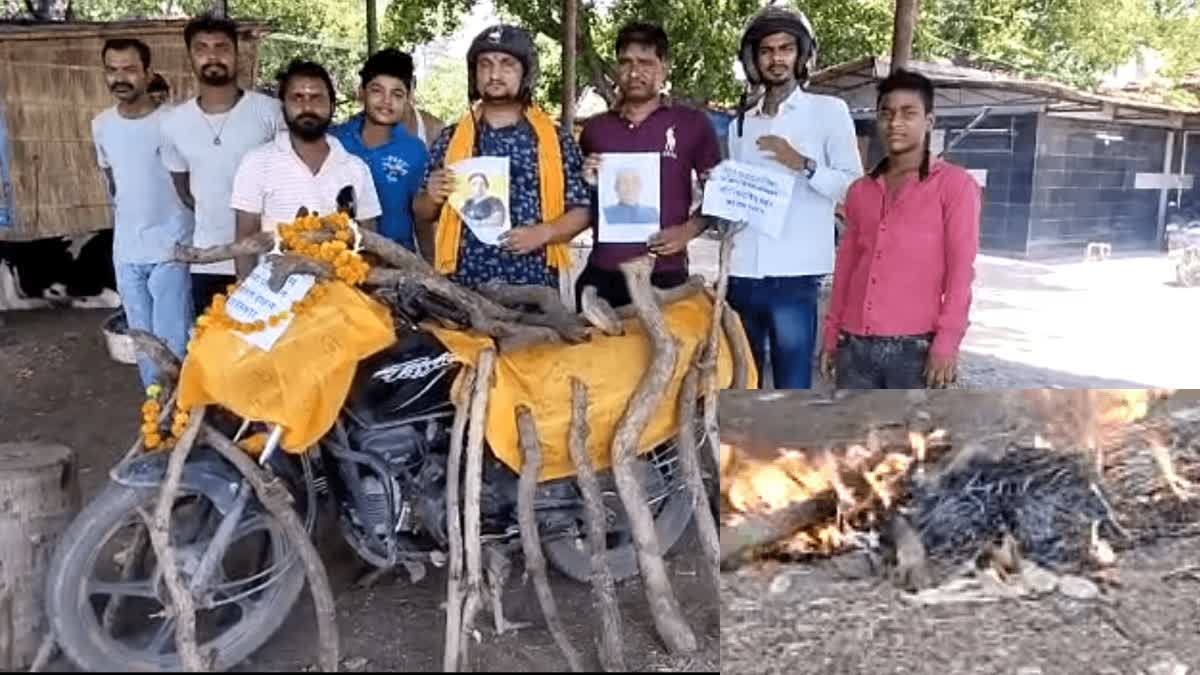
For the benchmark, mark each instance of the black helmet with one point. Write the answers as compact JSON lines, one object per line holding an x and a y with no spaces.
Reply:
{"x":771,"y":20}
{"x":510,"y":40}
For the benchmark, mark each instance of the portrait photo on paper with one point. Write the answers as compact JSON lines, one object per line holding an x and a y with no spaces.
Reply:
{"x":481,"y":195}
{"x":630,"y":194}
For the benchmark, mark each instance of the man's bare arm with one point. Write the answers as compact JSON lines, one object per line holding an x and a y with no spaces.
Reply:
{"x":183,"y":188}
{"x":248,"y":225}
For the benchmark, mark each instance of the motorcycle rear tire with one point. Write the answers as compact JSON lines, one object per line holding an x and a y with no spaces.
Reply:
{"x":573,"y":557}
{"x":80,"y":639}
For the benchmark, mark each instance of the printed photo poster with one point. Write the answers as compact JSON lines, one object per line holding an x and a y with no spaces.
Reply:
{"x":481,"y":196}
{"x":749,"y":193}
{"x":630,"y":195}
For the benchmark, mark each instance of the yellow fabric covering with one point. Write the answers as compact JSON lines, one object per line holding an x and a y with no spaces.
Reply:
{"x":551,"y":188}
{"x":611,"y":367}
{"x":303,"y":381}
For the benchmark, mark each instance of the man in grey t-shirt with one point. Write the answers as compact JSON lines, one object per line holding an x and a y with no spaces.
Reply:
{"x":208,"y":136}
{"x":149,"y":219}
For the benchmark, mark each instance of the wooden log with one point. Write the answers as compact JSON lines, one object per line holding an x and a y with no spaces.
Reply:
{"x":183,"y":604}
{"x":731,"y":324}
{"x":153,"y":348}
{"x":275,"y":497}
{"x":762,"y":529}
{"x":284,"y":266}
{"x":39,"y":495}
{"x":612,"y":654}
{"x":668,"y":618}
{"x":708,"y":368}
{"x":531,"y":541}
{"x":454,"y":588}
{"x":473,"y":486}
{"x":667,"y":296}
{"x":599,"y":313}
{"x":689,"y":462}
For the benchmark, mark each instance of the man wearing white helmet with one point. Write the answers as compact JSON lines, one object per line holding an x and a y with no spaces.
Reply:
{"x":775,"y":281}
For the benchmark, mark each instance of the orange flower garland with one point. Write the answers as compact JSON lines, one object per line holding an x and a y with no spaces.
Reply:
{"x":151,"y":433}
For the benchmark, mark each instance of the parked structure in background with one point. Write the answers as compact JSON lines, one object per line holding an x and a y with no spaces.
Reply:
{"x":1060,"y":167}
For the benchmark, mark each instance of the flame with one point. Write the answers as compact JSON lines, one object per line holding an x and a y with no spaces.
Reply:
{"x":865,"y":478}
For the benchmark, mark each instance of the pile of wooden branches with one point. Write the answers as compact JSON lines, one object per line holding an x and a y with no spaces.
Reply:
{"x":515,"y":317}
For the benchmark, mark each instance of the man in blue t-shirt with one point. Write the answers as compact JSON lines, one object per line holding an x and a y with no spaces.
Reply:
{"x":396,"y":157}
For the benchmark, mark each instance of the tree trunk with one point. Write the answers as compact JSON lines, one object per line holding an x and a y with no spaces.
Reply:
{"x":570,"y":29}
{"x":39,"y":495}
{"x":902,"y":32}
{"x":372,"y":28}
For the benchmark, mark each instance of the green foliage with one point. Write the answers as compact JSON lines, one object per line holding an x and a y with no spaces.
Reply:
{"x":443,"y":93}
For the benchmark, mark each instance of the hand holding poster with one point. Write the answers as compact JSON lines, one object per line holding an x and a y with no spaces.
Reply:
{"x":748,"y":193}
{"x":481,"y":196}
{"x":629,"y":197}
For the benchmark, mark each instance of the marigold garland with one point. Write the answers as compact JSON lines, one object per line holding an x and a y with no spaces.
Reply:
{"x":151,"y":432}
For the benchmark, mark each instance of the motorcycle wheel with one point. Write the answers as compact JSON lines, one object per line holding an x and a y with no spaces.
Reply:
{"x":72,"y":585}
{"x":572,"y":555}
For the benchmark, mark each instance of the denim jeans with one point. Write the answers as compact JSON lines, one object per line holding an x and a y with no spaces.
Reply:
{"x":878,"y":362}
{"x":157,"y":298}
{"x":780,"y":312}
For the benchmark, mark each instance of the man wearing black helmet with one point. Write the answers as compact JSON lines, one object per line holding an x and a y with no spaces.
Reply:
{"x":548,"y":199}
{"x":775,"y":280}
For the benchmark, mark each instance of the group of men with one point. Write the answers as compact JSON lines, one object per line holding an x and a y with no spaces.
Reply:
{"x":231,"y":162}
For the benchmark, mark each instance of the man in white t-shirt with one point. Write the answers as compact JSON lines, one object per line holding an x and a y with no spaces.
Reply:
{"x":209,"y":135}
{"x":304,"y":167}
{"x":149,"y":219}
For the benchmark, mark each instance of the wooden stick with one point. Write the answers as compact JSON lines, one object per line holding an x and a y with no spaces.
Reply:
{"x":731,"y":324}
{"x":612,"y":655}
{"x":276,"y":498}
{"x":531,"y":542}
{"x":284,"y":266}
{"x":689,"y":462}
{"x":45,"y":652}
{"x":131,"y":555}
{"x":454,"y":592}
{"x":183,"y":605}
{"x":668,"y":618}
{"x":762,"y":529}
{"x":165,"y":361}
{"x":473,"y":486}
{"x":712,"y":429}
{"x":258,"y":244}
{"x":599,"y":313}
{"x":667,"y":296}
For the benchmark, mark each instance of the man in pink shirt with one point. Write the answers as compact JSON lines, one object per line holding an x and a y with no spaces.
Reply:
{"x":905,"y":262}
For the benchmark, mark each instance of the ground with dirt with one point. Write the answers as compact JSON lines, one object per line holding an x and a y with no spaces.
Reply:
{"x":60,"y":386}
{"x":840,"y":615}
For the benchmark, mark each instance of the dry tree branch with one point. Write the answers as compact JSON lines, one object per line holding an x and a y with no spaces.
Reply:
{"x":668,"y":617}
{"x":612,"y":655}
{"x":531,"y":542}
{"x":473,"y":486}
{"x":454,"y":589}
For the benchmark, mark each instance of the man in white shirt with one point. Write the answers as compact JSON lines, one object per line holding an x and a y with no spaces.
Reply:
{"x":304,"y":167}
{"x":775,"y":281}
{"x":149,"y":219}
{"x":208,"y":137}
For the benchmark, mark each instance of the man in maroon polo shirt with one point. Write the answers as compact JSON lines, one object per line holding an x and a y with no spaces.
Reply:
{"x":646,"y":121}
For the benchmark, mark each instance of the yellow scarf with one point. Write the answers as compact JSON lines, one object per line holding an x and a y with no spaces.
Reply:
{"x":551,"y":188}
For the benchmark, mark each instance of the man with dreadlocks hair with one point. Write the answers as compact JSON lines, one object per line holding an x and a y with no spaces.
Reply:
{"x":902,"y":283}
{"x":775,"y":281}
{"x":548,"y":199}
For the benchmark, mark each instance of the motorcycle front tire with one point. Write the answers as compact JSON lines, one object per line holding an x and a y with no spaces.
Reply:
{"x":573,"y":557}
{"x":66,"y":601}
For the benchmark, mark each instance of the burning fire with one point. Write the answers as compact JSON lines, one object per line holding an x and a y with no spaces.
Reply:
{"x":866,"y":480}
{"x":863,"y":481}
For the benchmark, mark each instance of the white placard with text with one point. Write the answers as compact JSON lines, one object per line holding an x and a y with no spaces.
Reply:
{"x":253,"y":300}
{"x":749,"y":193}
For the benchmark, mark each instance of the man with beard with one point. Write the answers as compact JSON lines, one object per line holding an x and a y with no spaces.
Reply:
{"x":149,"y":219}
{"x":647,"y":121}
{"x":902,"y":283}
{"x":775,"y":280}
{"x":304,"y":167}
{"x":208,"y":135}
{"x":396,"y":157}
{"x":548,"y":199}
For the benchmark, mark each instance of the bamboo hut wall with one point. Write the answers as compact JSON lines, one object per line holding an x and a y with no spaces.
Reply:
{"x":51,"y":86}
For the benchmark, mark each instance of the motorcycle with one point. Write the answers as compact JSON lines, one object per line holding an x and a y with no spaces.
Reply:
{"x":382,"y":469}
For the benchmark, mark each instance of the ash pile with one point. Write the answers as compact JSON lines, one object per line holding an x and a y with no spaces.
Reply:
{"x":1048,"y":503}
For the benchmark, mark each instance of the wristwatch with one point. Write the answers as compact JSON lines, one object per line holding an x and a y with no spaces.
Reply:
{"x":810,"y":167}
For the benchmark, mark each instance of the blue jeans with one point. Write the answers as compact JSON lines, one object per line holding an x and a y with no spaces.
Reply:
{"x":780,"y":312}
{"x":157,"y":298}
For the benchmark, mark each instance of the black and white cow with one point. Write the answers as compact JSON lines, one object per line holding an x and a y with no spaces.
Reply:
{"x":58,"y":271}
